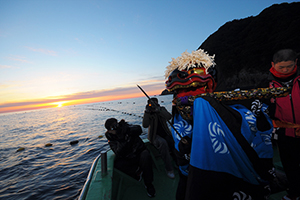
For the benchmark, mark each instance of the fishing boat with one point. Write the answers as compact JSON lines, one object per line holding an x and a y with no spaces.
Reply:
{"x":107,"y":183}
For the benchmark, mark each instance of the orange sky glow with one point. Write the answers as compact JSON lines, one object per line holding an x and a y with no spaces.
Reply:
{"x":80,"y":98}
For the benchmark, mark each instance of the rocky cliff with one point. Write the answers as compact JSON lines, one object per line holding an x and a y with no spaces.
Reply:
{"x":244,"y":48}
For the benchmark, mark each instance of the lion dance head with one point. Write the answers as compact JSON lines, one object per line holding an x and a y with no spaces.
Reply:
{"x":189,"y":75}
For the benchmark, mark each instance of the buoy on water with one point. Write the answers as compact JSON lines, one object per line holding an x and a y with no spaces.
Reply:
{"x":48,"y":145}
{"x":73,"y":142}
{"x":100,"y":136}
{"x":21,"y":149}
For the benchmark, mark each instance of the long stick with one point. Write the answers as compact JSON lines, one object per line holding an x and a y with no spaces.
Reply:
{"x":143,"y":92}
{"x":157,"y":105}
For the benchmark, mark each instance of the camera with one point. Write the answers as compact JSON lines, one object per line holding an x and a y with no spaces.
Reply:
{"x":123,"y":129}
{"x":135,"y":129}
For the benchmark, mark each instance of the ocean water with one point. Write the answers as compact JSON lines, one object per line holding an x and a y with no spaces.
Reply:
{"x":31,"y":170}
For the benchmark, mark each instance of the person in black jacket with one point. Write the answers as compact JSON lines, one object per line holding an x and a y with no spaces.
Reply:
{"x":155,"y":119}
{"x":132,"y":156}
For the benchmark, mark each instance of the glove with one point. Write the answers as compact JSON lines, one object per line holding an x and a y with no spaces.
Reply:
{"x":185,"y":145}
{"x":148,"y":108}
{"x":152,"y":108}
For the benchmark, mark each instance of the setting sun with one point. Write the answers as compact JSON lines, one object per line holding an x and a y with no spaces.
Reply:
{"x":60,"y":104}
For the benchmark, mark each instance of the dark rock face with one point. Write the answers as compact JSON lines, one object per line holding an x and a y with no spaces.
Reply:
{"x":244,"y":48}
{"x":165,"y":92}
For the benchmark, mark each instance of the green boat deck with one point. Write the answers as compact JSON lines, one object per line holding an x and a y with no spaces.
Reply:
{"x":126,"y":188}
{"x":116,"y":185}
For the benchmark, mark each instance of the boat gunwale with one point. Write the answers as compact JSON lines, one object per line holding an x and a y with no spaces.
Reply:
{"x":86,"y":185}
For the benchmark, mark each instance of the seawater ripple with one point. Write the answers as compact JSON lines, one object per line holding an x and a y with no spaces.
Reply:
{"x":58,"y":171}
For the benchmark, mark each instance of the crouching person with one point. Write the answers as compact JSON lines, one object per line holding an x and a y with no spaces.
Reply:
{"x":132,"y":156}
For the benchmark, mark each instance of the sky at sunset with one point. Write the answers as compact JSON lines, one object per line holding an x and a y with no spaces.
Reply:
{"x":85,"y":51}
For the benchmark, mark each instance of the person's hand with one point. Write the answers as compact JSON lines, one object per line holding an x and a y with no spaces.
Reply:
{"x":185,"y":145}
{"x":298,"y":131}
{"x":148,"y":108}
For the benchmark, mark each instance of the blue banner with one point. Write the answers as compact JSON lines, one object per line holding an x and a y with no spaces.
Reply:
{"x":215,"y":148}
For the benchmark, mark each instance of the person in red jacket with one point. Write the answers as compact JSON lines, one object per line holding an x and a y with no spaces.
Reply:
{"x":284,"y":73}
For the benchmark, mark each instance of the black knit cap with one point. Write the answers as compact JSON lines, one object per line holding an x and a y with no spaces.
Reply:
{"x":109,"y":122}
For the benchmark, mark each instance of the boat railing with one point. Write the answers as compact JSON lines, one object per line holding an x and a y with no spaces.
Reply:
{"x":103,"y":163}
{"x":103,"y":156}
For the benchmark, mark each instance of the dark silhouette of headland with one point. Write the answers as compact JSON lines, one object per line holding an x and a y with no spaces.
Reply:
{"x":244,"y":48}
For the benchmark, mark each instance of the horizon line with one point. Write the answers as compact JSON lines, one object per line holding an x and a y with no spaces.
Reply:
{"x":81,"y":98}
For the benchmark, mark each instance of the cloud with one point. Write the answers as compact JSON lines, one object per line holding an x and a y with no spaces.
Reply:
{"x":4,"y":86}
{"x":27,"y":103}
{"x":112,"y":92}
{"x":80,"y":41}
{"x":70,"y":51}
{"x":44,"y":51}
{"x":153,"y":79}
{"x":5,"y":66}
{"x":104,"y":94}
{"x":19,"y":59}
